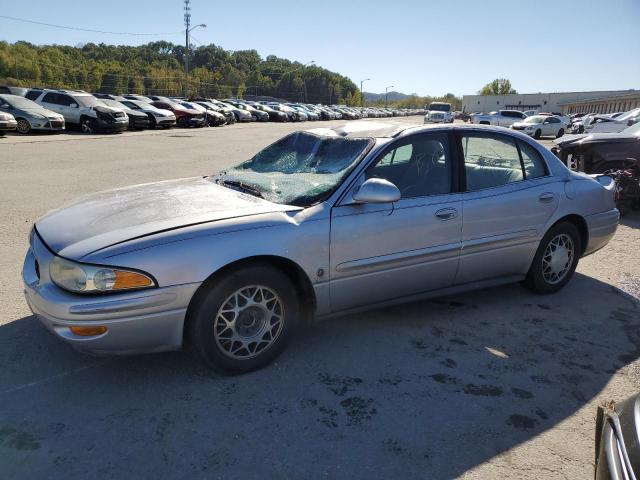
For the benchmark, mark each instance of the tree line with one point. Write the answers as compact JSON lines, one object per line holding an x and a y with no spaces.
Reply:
{"x":158,"y":68}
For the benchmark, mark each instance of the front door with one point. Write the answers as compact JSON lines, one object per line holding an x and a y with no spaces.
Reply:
{"x":508,"y":200}
{"x":381,"y":252}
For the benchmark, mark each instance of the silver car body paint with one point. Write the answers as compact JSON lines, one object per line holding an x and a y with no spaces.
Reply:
{"x":354,"y":256}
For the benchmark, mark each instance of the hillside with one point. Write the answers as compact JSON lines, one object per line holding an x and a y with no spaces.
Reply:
{"x":393,"y":96}
{"x":158,"y":68}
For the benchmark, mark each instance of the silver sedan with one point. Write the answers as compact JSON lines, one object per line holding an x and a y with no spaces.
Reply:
{"x":321,"y":222}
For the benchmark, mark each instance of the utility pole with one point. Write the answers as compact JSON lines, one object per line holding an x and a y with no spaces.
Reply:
{"x":187,"y":46}
{"x":386,"y":95}
{"x":362,"y":94}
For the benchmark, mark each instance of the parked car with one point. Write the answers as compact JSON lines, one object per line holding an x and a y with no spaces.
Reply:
{"x":20,"y":91}
{"x":257,"y":115}
{"x":228,"y":264}
{"x":157,"y":116}
{"x":292,"y":114}
{"x":274,"y":115}
{"x":614,"y":154}
{"x":185,"y":117}
{"x":138,"y":98}
{"x":439,"y":112}
{"x":502,"y":118}
{"x":137,"y":120}
{"x":617,"y":445}
{"x":212,"y":118}
{"x":226,"y":111}
{"x":7,"y":123}
{"x":613,"y":125}
{"x":29,"y":115}
{"x":81,"y":110}
{"x":538,"y":126}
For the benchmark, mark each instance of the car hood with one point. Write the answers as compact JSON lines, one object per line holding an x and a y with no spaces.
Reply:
{"x":585,"y":138}
{"x":526,"y":124}
{"x":103,"y":219}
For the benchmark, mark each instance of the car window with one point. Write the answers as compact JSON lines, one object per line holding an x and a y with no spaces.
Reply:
{"x":534,"y":166}
{"x":52,"y":98}
{"x":554,"y":120}
{"x":33,"y":94}
{"x":419,"y":167}
{"x":490,"y":161}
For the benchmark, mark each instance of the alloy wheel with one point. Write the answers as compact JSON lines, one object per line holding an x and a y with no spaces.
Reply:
{"x":557,"y":258}
{"x":248,"y":322}
{"x":23,"y":126}
{"x":87,"y":126}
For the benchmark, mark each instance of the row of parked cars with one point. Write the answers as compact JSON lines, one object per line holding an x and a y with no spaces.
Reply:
{"x":541,"y":124}
{"x":27,"y":110}
{"x":603,"y":123}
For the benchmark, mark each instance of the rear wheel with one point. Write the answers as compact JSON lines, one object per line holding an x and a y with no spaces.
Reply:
{"x":556,"y":259}
{"x":244,"y":319}
{"x":24,"y":126}
{"x":560,"y":133}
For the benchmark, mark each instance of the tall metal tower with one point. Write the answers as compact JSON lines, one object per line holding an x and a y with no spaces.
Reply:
{"x":187,"y":24}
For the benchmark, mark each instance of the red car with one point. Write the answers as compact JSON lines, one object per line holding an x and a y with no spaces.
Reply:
{"x":185,"y":117}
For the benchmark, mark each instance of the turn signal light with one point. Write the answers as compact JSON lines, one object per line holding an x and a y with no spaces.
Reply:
{"x":88,"y":331}
{"x":125,"y":280}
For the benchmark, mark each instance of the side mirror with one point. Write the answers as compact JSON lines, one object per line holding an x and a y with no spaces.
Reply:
{"x":377,"y":190}
{"x":630,"y":122}
{"x":74,"y":105}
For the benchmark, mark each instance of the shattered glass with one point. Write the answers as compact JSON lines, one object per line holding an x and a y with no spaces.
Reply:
{"x":300,"y":169}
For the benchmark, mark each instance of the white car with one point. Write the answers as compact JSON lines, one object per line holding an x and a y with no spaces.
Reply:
{"x":439,"y":112}
{"x":613,"y":125}
{"x":502,"y":118}
{"x":538,"y":126}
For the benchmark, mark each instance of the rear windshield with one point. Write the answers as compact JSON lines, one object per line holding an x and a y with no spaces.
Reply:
{"x":440,"y":107}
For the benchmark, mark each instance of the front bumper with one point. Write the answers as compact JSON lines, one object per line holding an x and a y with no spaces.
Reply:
{"x":601,"y":228}
{"x":49,"y":126}
{"x":137,"y":322}
{"x":109,"y":126}
{"x":139,"y":122}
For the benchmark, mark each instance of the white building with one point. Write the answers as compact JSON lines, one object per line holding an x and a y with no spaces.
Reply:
{"x":545,"y":102}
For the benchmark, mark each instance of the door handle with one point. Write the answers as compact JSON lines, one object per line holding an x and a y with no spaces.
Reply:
{"x":446,"y":213}
{"x":546,"y":197}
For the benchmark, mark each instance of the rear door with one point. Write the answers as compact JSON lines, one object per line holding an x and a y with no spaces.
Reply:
{"x":385,"y":251}
{"x":508,"y":199}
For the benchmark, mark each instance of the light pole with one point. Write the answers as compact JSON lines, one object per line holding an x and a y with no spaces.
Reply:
{"x":386,"y":95}
{"x":362,"y":94}
{"x":187,"y":48}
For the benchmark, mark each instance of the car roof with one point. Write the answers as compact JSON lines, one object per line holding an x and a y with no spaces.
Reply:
{"x":391,"y":129}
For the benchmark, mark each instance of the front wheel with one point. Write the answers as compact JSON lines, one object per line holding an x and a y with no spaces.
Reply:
{"x":560,"y":133}
{"x":23,"y":127}
{"x":556,"y":259}
{"x":244,"y":319}
{"x":537,"y":135}
{"x":88,"y":125}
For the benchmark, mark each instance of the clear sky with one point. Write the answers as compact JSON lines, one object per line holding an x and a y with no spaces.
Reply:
{"x":423,"y":46}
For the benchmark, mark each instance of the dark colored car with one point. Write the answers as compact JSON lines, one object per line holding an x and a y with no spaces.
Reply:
{"x":226,"y":110}
{"x":614,"y":154}
{"x":137,"y":120}
{"x":212,"y":118}
{"x":617,"y":441}
{"x":257,"y":115}
{"x":185,"y":117}
{"x":274,"y":115}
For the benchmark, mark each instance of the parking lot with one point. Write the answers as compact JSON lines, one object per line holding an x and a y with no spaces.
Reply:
{"x":498,"y":383}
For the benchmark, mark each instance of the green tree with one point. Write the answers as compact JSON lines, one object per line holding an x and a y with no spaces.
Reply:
{"x":500,"y":86}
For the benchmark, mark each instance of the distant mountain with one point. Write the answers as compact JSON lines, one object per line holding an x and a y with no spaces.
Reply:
{"x":393,"y":96}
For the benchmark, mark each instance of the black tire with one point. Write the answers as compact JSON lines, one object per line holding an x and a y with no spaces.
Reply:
{"x":560,"y":133}
{"x":153,"y":124}
{"x":204,"y":312}
{"x":24,"y":126}
{"x":536,"y":280}
{"x":537,"y":135}
{"x":88,"y":125}
{"x":183,"y":122}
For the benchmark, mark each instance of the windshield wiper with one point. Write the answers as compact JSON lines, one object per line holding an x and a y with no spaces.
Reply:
{"x":235,"y":184}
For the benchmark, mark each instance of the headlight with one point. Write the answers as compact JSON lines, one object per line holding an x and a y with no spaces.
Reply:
{"x":159,"y":114}
{"x":84,"y":278}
